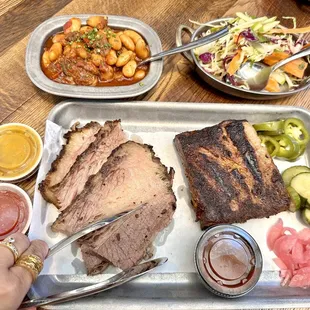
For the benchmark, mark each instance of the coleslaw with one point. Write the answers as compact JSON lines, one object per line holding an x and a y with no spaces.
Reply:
{"x":254,"y":39}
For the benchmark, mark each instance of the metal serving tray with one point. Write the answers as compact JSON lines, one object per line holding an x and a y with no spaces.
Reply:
{"x":173,"y":286}
{"x":53,"y":25}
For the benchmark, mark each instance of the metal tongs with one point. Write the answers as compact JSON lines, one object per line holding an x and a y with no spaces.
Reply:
{"x":118,"y":279}
{"x":88,"y":229}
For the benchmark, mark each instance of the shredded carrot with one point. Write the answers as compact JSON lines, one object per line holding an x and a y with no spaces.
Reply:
{"x":235,"y":63}
{"x":273,"y":86}
{"x":291,"y":30}
{"x":274,"y":58}
{"x":306,"y":46}
{"x":296,"y":67}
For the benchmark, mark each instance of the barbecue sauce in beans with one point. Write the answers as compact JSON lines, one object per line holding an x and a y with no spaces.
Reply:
{"x":13,"y":213}
{"x":56,"y":73}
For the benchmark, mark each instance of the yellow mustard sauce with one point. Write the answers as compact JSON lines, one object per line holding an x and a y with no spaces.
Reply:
{"x":19,"y":151}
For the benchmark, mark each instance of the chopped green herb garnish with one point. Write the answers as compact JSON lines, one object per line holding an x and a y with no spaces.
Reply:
{"x":108,"y":34}
{"x":301,"y":66}
{"x":92,"y":34}
{"x":107,"y":45}
{"x":141,"y":84}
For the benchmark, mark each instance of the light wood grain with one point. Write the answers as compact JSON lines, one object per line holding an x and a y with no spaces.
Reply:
{"x":21,"y":101}
{"x":8,"y":5}
{"x":21,"y":19}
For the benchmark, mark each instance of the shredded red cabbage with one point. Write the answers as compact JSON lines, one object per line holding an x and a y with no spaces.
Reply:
{"x":301,"y":42}
{"x":248,"y":35}
{"x":226,"y":60}
{"x":230,"y":78}
{"x":206,"y":57}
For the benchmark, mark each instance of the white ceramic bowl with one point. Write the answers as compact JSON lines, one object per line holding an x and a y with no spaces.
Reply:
{"x":34,"y":167}
{"x":15,"y":189}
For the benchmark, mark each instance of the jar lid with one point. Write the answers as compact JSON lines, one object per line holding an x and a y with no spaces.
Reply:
{"x":228,"y":260}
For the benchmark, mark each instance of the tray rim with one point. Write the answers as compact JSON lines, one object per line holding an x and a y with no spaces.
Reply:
{"x":206,"y":106}
{"x":38,"y":78}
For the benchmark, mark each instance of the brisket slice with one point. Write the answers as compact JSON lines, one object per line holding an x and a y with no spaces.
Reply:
{"x":125,"y":242}
{"x":78,"y":140}
{"x":131,"y":176}
{"x":94,"y":263}
{"x":231,"y":176}
{"x":88,"y":163}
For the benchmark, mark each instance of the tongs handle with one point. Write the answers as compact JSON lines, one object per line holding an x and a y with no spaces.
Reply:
{"x":118,"y":279}
{"x":99,"y":224}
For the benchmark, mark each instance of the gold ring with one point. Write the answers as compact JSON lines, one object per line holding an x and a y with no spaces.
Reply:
{"x":9,"y":244}
{"x":32,"y":263}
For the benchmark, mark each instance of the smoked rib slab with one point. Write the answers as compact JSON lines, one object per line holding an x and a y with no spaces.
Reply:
{"x":231,"y":176}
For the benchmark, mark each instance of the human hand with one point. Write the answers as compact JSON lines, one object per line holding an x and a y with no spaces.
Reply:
{"x":15,"y":280}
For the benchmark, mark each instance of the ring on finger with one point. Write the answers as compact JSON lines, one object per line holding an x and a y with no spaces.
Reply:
{"x":9,"y":244}
{"x":32,"y":263}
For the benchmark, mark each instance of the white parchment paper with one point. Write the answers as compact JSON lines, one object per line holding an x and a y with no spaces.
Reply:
{"x":178,"y":240}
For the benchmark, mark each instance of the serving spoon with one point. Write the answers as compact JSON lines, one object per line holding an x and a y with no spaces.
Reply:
{"x":256,"y":75}
{"x":180,"y":49}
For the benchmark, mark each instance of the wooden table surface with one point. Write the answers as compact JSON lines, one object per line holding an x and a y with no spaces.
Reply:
{"x":21,"y":101}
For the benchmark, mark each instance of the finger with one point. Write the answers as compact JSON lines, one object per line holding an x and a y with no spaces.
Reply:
{"x":37,"y":247}
{"x":7,"y":258}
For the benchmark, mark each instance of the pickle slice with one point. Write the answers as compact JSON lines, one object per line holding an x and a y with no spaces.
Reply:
{"x":295,"y":199}
{"x":291,"y":172}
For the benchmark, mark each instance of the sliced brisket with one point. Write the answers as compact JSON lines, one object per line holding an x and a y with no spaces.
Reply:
{"x":231,"y":176}
{"x":131,"y":176}
{"x":94,"y":263}
{"x":88,"y":163}
{"x":125,"y":242}
{"x":78,"y":140}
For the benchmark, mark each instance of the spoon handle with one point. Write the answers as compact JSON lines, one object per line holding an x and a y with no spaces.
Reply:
{"x":283,"y":62}
{"x":205,"y":40}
